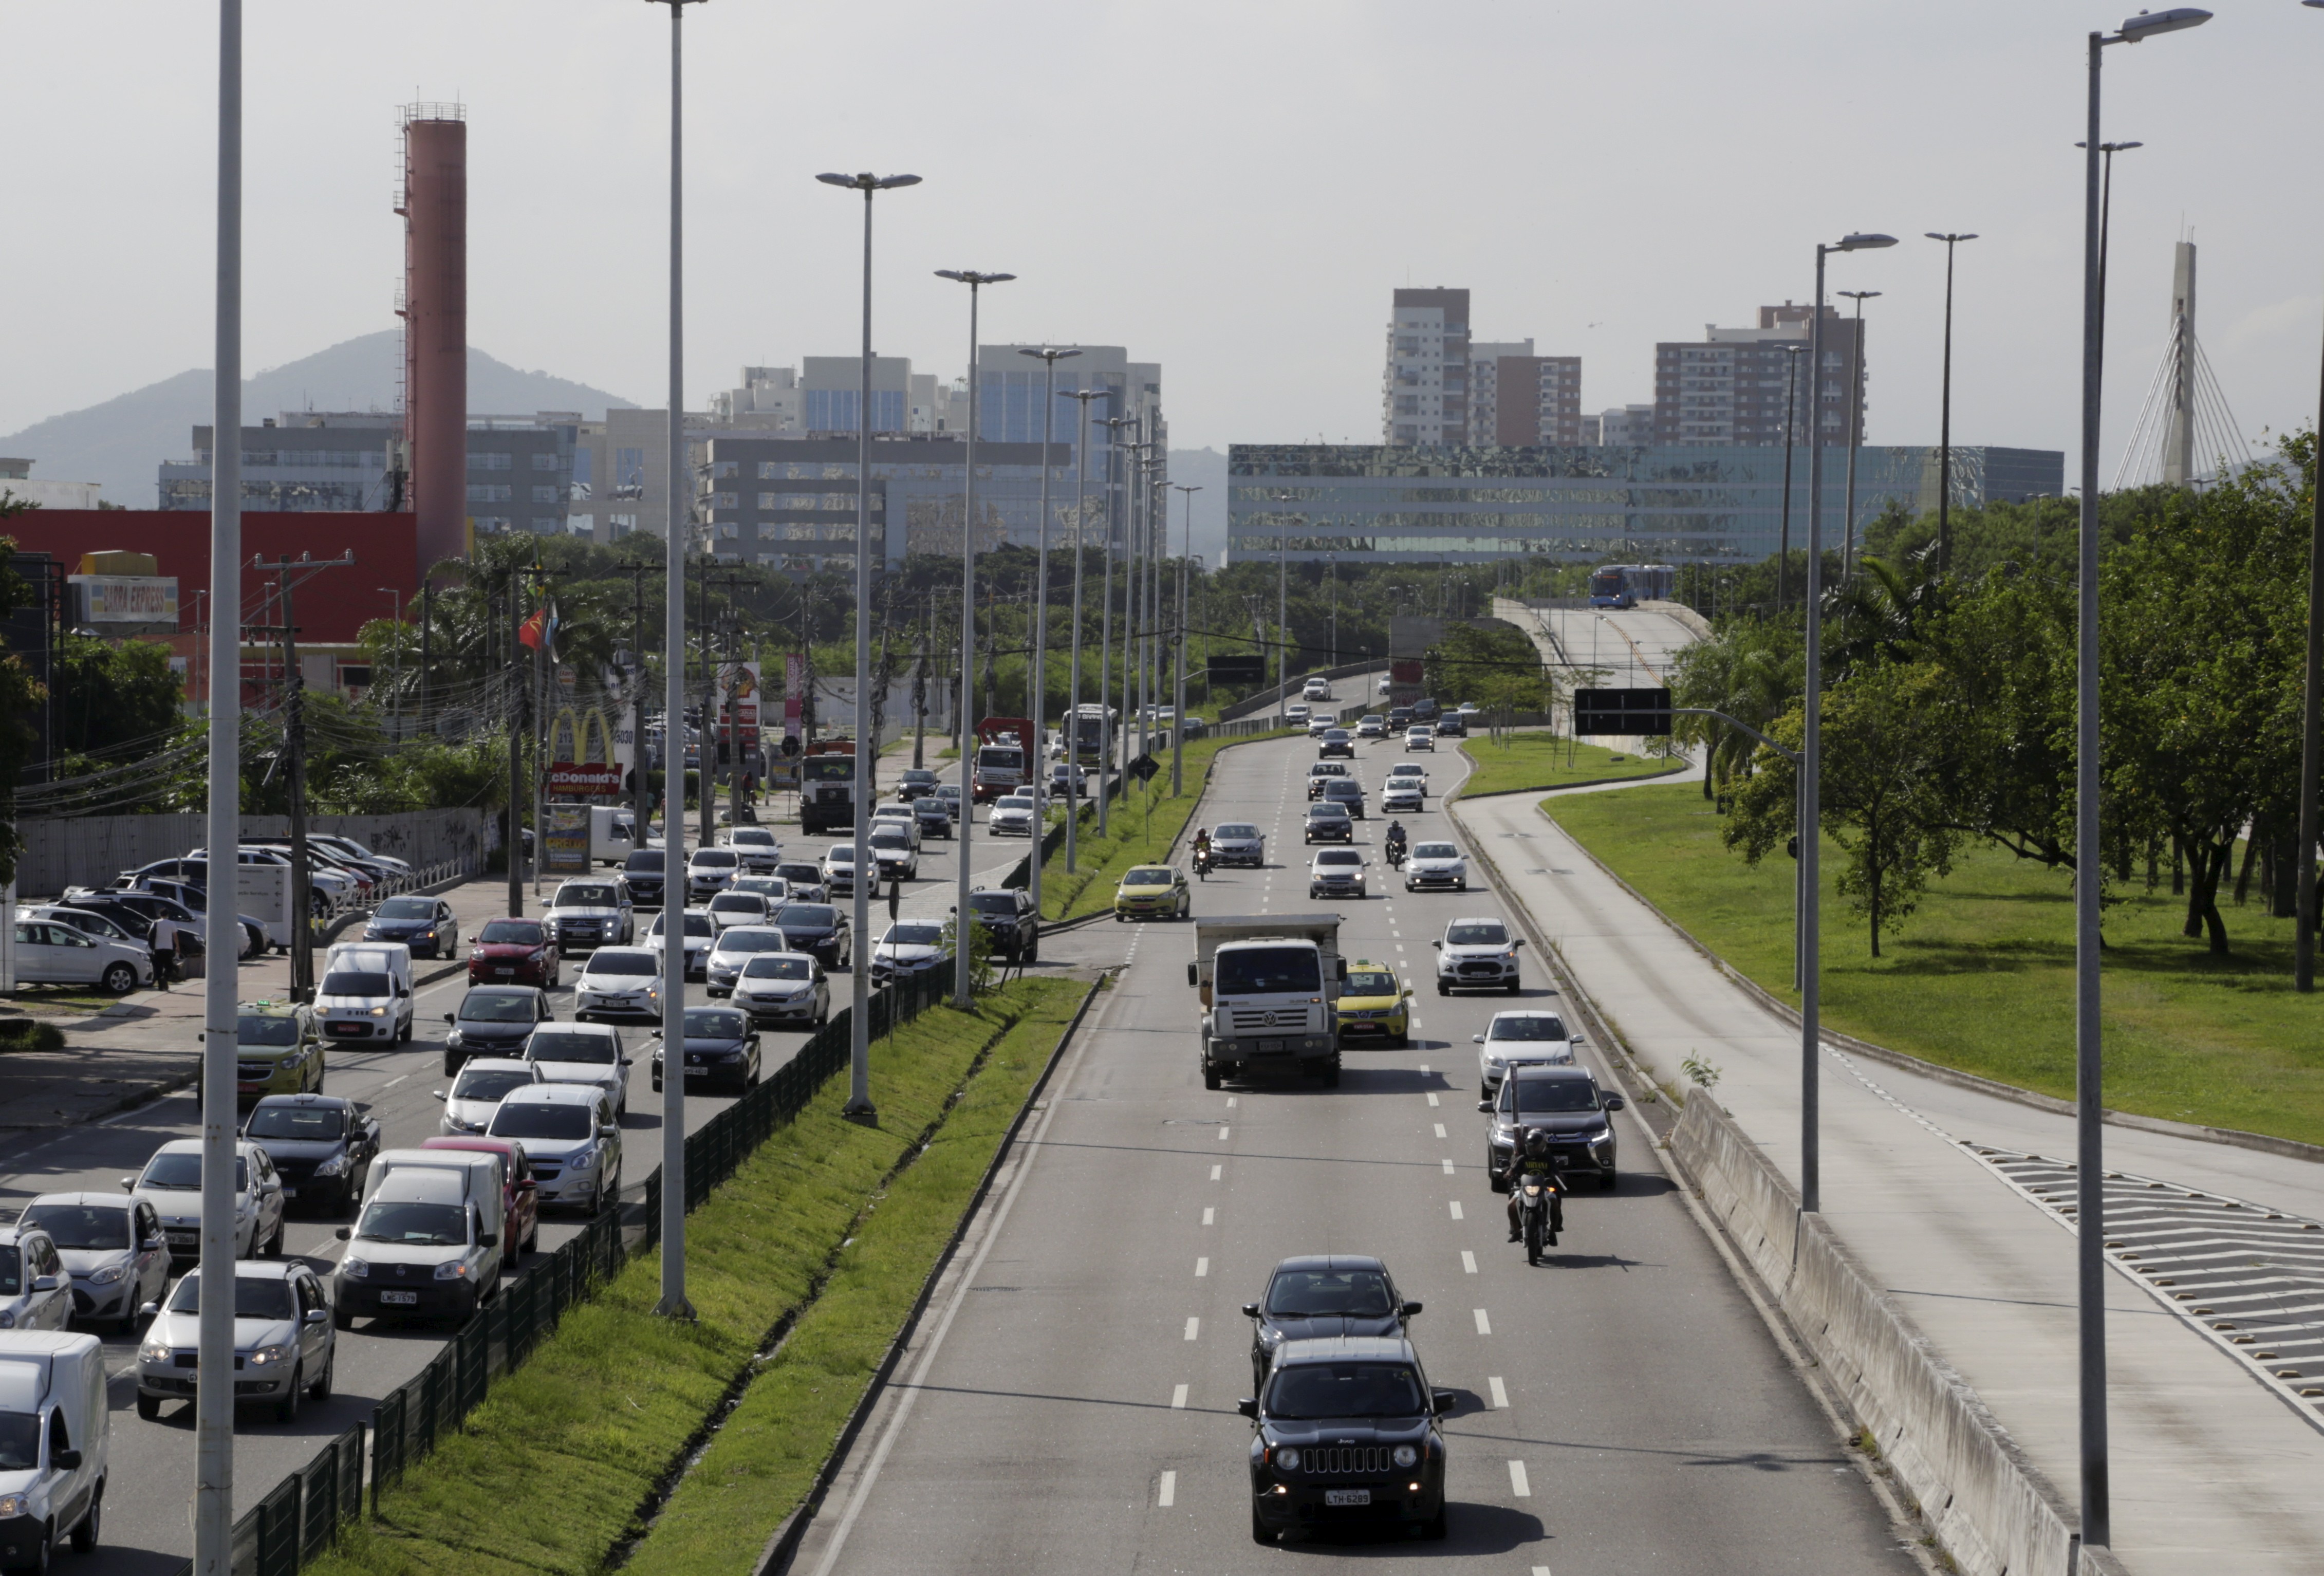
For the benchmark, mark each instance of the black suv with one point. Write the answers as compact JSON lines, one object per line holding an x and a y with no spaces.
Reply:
{"x":1318,"y":1294}
{"x":646,"y":870}
{"x":495,"y":1020}
{"x":321,"y":1145}
{"x":1347,"y":791}
{"x":1328,"y":819}
{"x":1344,"y":1435}
{"x":1566,"y":1103}
{"x":820,"y":930}
{"x":1008,"y":914}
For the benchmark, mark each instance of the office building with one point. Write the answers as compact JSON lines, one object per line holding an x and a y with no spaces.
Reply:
{"x":1518,"y":398}
{"x":1734,"y":386}
{"x":303,"y":461}
{"x":17,"y":483}
{"x":1618,"y":426}
{"x":1424,"y":392}
{"x":766,"y":400}
{"x":1657,"y":504}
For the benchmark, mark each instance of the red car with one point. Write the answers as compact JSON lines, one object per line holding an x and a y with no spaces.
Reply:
{"x":513,"y":952}
{"x":523,"y":1200}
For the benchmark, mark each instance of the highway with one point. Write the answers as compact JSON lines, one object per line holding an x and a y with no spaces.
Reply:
{"x":1623,"y":1407}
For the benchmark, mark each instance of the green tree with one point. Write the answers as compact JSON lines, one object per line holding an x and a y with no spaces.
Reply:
{"x":115,"y":701}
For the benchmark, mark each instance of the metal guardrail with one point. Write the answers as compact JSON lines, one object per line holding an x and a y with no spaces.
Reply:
{"x":300,"y":1517}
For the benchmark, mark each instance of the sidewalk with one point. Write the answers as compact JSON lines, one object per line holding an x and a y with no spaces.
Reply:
{"x":2212,"y":1470}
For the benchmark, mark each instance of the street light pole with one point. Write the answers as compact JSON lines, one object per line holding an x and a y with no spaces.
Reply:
{"x":1854,"y":421}
{"x":1040,"y":683}
{"x":395,"y":684}
{"x":1178,"y":689}
{"x":1074,"y":704}
{"x":1114,"y":449}
{"x":962,"y":972}
{"x":2311,"y":724}
{"x":1945,"y":417}
{"x":2090,"y":1111}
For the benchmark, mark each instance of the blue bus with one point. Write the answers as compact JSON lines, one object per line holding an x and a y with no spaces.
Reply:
{"x":1628,"y":585}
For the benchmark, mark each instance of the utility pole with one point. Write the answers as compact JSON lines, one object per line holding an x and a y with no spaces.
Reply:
{"x":295,"y":751}
{"x":1082,"y":397}
{"x":641,"y":787}
{"x":1114,"y":451}
{"x":427,"y":655}
{"x":537,"y":717}
{"x":1178,"y":689}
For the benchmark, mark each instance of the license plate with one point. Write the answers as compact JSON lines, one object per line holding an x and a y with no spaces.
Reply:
{"x":503,"y":970}
{"x":408,"y":1299}
{"x":1347,"y":1496}
{"x":290,"y":1192}
{"x":1270,"y":1045}
{"x":184,"y":1239}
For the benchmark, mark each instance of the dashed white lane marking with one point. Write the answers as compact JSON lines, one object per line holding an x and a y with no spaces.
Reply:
{"x":1500,"y":1394}
{"x":1222,"y":1133}
{"x":1178,"y":1398}
{"x":1440,"y":1130}
{"x":1456,"y":1209}
{"x":1214,"y":1172}
{"x":1448,"y":1165}
{"x":1468,"y":1262}
{"x":1424,"y":1066}
{"x":1202,"y":1267}
{"x":1518,"y":1484}
{"x":394,"y":1082}
{"x":1194,"y":1328}
{"x":1432,"y":1100}
{"x":1484,"y":1326}
{"x":1210,"y":1217}
{"x":1168,"y":1494}
{"x":1231,"y":1103}
{"x":1541,"y":1570}
{"x":1399,"y":947}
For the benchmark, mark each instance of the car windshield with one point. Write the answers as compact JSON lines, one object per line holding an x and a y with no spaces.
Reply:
{"x":1370,"y":982}
{"x":314,"y":1124}
{"x":715,"y":858}
{"x":1344,"y":788}
{"x":913,"y":935}
{"x":891,"y":837}
{"x":1345,"y":1389}
{"x":415,"y":1225}
{"x":512,"y":933}
{"x":714,"y":1023}
{"x":750,"y":837}
{"x":1258,"y":970}
{"x":253,"y":1029}
{"x":695,"y":924}
{"x":1000,"y":903}
{"x":1339,"y":856}
{"x":1528,"y":1028}
{"x":798,"y":872}
{"x":1319,"y":1293}
{"x":254,"y":1297}
{"x":90,"y":1227}
{"x":181,"y":1171}
{"x":592,"y":896}
{"x":1148,"y":875}
{"x":12,"y":1270}
{"x":408,"y":908}
{"x":648,"y":861}
{"x":1549,"y":1096}
{"x":842,"y":853}
{"x":1477,"y":933}
{"x":1237,"y":829}
{"x":1327,"y":812}
{"x":20,"y":1441}
{"x":489,"y":1083}
{"x":496,"y":1007}
{"x":345,"y":984}
{"x":779,"y":968}
{"x":754,"y":938}
{"x":1015,"y":802}
{"x":567,"y":1045}
{"x":1435,"y":850}
{"x":625,"y":964}
{"x":738,"y":903}
{"x":808,"y":917}
{"x":918,"y":775}
{"x":528,"y":1121}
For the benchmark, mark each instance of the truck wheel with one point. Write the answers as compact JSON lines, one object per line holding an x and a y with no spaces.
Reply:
{"x":1332,"y":1072}
{"x":1211,"y":1079}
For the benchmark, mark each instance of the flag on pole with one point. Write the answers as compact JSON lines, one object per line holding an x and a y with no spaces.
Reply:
{"x":540,"y":630}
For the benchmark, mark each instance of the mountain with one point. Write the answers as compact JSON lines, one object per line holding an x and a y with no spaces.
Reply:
{"x":121,"y":442}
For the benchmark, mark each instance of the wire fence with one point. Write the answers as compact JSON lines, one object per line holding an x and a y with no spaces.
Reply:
{"x":300,"y":1517}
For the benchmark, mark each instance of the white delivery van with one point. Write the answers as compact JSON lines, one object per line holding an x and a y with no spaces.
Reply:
{"x":613,"y":833}
{"x":364,"y":992}
{"x":425,"y":1243}
{"x":484,"y":1179}
{"x":53,"y":1438}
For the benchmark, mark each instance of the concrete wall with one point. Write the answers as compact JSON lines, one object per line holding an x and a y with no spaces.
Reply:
{"x":89,"y":850}
{"x":1994,"y":1513}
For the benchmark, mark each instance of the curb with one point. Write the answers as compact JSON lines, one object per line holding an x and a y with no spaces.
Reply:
{"x":775,"y":1558}
{"x":1461,"y":793}
{"x":2234,"y":1137}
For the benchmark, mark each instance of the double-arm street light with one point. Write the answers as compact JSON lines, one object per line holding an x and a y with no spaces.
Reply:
{"x":1178,"y":690}
{"x":1944,"y":417}
{"x":867,"y":748}
{"x":1049,"y":357}
{"x":961,"y":973}
{"x":1074,"y":700}
{"x":2089,"y":1145}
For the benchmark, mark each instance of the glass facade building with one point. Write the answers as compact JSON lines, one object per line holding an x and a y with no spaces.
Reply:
{"x":1644,"y":504}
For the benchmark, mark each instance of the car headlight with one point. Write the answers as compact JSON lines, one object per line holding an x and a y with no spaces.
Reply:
{"x":1493,"y":1061}
{"x":454,"y":1270}
{"x":151,"y":1352}
{"x":583,"y":1160}
{"x":109,"y":1275}
{"x":265,"y":1355}
{"x":7,"y":1321}
{"x":13,"y":1506}
{"x":1287,"y":1458}
{"x":1406,"y":1455}
{"x":355,"y":1269}
{"x":455,"y":1040}
{"x":335,"y":1167}
{"x":379,"y":1012}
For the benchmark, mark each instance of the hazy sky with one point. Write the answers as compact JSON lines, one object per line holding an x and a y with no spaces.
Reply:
{"x":1230,"y":190}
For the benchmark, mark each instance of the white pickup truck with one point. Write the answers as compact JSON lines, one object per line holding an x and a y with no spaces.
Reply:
{"x":1270,"y":990}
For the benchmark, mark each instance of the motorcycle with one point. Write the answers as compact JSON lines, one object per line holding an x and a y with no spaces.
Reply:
{"x":1203,"y":863}
{"x":1536,"y":1196}
{"x":1396,"y":853}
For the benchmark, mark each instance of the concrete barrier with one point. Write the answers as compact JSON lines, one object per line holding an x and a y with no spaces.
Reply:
{"x":1991,"y":1508}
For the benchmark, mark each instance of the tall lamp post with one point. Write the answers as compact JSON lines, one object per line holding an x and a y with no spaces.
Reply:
{"x":1945,"y":415}
{"x":1855,"y":420}
{"x":2090,"y":1140}
{"x":1791,"y":353}
{"x":962,"y":917}
{"x":1081,"y":555}
{"x":673,"y":1303}
{"x":859,"y":1104}
{"x":1040,"y":686}
{"x":1812,"y":894}
{"x":2311,"y":729}
{"x":1178,"y":689}
{"x":1115,"y":448}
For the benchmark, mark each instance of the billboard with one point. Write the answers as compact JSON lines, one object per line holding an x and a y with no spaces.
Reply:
{"x":575,"y":776}
{"x":738,"y":700}
{"x":124,"y":605}
{"x":565,"y":841}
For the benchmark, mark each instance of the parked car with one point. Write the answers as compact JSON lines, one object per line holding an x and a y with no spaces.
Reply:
{"x":49,"y":952}
{"x":322,"y":1148}
{"x":1336,"y":872}
{"x":619,"y":983}
{"x":1328,"y":822}
{"x":1476,"y":951}
{"x":591,"y":912}
{"x":1005,"y":913}
{"x":515,"y":952}
{"x":193,"y":898}
{"x":737,"y":946}
{"x":583,"y":1053}
{"x":426,"y":925}
{"x":720,"y":1048}
{"x":278,"y":1050}
{"x":172,"y":1182}
{"x":783,"y":987}
{"x":820,"y":930}
{"x":695,"y":924}
{"x":1522,"y":1038}
{"x":569,"y":1133}
{"x":1374,"y":1005}
{"x":285,"y":1346}
{"x":36,"y":1290}
{"x":1153,"y":892}
{"x":112,"y":1248}
{"x":495,"y":1020}
{"x":909,"y":947}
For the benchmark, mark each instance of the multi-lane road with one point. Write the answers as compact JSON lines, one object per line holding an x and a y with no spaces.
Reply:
{"x":1069,"y":1407}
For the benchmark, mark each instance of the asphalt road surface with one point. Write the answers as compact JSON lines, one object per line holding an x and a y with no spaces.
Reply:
{"x":1623,"y":1408}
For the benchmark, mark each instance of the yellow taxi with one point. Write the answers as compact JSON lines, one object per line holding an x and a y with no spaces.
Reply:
{"x":1374,"y":1006}
{"x":278,"y":1050}
{"x":1153,"y":892}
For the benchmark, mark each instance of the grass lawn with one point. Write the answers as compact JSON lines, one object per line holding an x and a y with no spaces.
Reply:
{"x":1142,"y":827}
{"x":1542,"y":760}
{"x":1981,"y":977}
{"x":548,"y":1473}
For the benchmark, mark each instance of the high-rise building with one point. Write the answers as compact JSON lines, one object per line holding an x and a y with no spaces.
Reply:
{"x":1517,"y":398}
{"x":1424,"y":392}
{"x":1734,"y":385}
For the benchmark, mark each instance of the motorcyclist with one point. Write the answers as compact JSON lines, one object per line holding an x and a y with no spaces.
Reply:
{"x":1201,"y":840}
{"x":1531,"y":1158}
{"x":1395,"y":841}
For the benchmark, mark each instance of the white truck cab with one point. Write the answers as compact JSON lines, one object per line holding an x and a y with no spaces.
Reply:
{"x":1270,"y":990}
{"x":54,"y":1434}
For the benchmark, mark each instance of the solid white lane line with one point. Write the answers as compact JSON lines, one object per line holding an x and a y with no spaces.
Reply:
{"x":1468,"y":1262}
{"x":1202,"y":1267}
{"x":1484,"y":1326}
{"x":1214,"y":1172}
{"x":1448,"y":1166}
{"x":1210,"y":1217}
{"x":1500,"y":1395}
{"x":1440,"y":1130}
{"x":1194,"y":1328}
{"x":394,"y":1082}
{"x":1179,"y":1397}
{"x":1169,"y":1492}
{"x":1518,"y":1484}
{"x":1456,"y":1209}
{"x":1432,"y":1100}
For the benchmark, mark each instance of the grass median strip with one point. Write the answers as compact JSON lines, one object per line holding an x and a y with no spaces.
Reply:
{"x":1140,"y":832}
{"x":1981,"y":977}
{"x":1516,"y":763}
{"x":549,"y":1474}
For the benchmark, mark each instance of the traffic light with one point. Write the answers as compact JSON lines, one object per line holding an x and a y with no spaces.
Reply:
{"x":790,"y":744}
